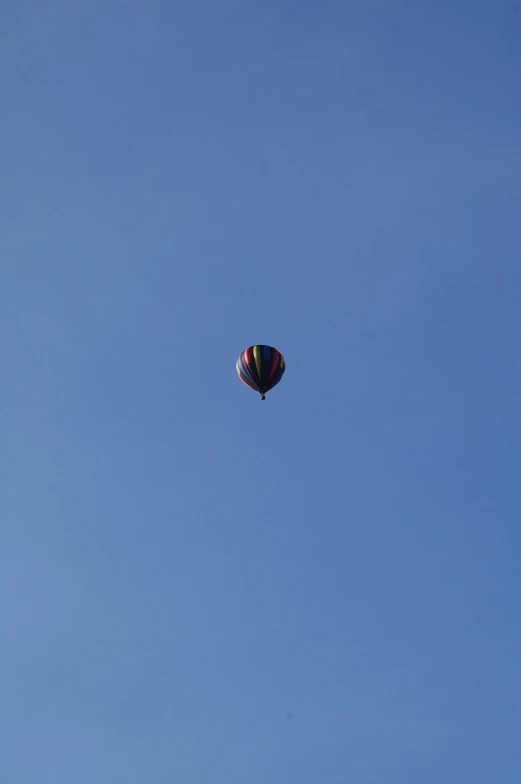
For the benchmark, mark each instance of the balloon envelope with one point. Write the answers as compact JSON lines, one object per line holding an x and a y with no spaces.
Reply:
{"x":261,"y":368}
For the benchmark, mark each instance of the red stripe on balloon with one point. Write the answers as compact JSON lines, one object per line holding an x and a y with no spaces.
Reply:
{"x":276,"y":357}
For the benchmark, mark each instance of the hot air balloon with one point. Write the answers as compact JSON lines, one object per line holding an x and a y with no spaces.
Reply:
{"x":261,"y":368}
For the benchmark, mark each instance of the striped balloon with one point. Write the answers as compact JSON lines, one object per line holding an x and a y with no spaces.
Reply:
{"x":261,"y":368}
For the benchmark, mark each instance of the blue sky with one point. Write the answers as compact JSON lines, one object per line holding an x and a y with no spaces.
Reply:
{"x":198,"y":587}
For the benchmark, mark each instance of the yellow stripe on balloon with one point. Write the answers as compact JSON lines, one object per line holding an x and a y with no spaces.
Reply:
{"x":281,"y":363}
{"x":257,"y":358}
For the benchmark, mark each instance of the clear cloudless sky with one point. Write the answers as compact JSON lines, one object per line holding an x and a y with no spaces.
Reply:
{"x":197,"y":587}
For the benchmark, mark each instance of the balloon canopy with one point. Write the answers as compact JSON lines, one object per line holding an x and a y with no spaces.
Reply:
{"x":261,"y":368}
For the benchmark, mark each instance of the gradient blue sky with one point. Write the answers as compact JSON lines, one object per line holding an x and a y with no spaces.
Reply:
{"x":197,"y":587}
